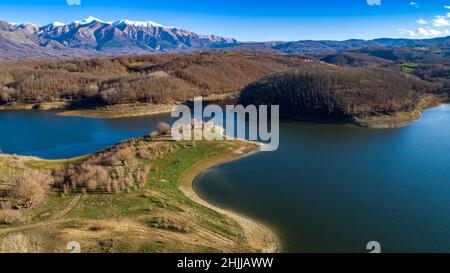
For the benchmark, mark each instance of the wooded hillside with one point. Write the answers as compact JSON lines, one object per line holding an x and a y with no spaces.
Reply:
{"x":151,"y":78}
{"x":336,"y":92}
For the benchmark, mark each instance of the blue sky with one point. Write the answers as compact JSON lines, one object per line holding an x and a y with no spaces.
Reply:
{"x":254,"y":20}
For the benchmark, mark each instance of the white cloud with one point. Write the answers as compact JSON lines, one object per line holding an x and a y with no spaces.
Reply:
{"x":441,"y":21}
{"x":422,"y":21}
{"x":423,"y":32}
{"x":411,"y":33}
{"x":432,"y":32}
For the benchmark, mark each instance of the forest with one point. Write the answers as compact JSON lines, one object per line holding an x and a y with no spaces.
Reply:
{"x":159,"y":78}
{"x":337,"y":92}
{"x":431,"y":65}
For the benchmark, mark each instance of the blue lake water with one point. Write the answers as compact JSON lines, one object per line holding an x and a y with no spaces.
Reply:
{"x":47,"y":135}
{"x":329,"y":188}
{"x":334,"y":188}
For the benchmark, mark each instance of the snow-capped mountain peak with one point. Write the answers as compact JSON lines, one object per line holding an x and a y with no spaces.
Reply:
{"x":24,"y":24}
{"x":137,"y":23}
{"x":57,"y":24}
{"x":92,"y":19}
{"x":89,"y":20}
{"x":53,"y":25}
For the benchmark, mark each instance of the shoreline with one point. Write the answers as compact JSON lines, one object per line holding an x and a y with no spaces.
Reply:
{"x":125,"y":110}
{"x":402,"y":119}
{"x":258,"y":236}
{"x":396,"y":120}
{"x":104,"y":112}
{"x":120,"y":111}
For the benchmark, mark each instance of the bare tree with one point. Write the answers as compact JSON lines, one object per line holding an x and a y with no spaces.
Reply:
{"x":164,"y":128}
{"x":9,"y":216}
{"x":31,"y":189}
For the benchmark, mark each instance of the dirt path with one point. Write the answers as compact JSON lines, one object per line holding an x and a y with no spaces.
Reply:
{"x":69,"y":207}
{"x":53,"y":220}
{"x":257,"y":236}
{"x":31,"y":226}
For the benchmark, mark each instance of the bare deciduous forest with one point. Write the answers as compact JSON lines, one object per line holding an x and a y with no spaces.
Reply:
{"x":127,"y":79}
{"x":339,"y":92}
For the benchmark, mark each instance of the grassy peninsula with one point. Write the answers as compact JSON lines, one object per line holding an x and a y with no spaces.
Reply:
{"x":135,"y":203}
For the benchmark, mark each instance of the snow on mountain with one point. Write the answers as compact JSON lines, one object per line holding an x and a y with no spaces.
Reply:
{"x":92,"y":19}
{"x":22,"y":25}
{"x":58,"y":24}
{"x":89,"y":20}
{"x":94,"y":35}
{"x":137,"y":23}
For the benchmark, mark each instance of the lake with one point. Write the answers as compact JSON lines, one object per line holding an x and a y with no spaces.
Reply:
{"x":47,"y":135}
{"x":334,"y":188}
{"x":329,"y":188}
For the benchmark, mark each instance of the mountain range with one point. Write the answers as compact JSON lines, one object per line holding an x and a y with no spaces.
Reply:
{"x":330,"y":46}
{"x":92,"y":36}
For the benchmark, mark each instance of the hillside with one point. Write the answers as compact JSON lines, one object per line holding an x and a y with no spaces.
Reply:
{"x":155,"y":79}
{"x":431,"y":65}
{"x":329,"y":46}
{"x":329,"y":92}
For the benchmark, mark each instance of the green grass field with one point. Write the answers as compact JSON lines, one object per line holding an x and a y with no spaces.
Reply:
{"x":156,"y":218}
